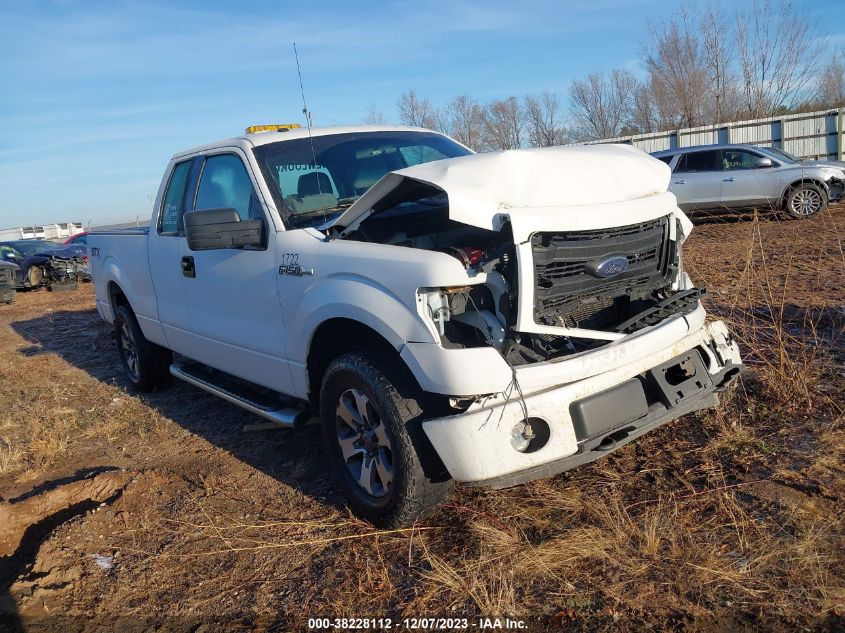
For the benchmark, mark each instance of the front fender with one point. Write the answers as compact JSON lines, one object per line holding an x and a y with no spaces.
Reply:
{"x":350,"y":296}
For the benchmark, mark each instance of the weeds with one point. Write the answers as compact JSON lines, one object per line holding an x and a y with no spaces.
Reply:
{"x":730,"y":517}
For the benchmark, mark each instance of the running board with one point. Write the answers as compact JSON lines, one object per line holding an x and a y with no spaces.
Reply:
{"x":255,"y":400}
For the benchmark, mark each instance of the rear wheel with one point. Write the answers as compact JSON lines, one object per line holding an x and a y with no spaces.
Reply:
{"x":34,"y":276}
{"x":372,"y":430}
{"x":146,"y":364}
{"x":804,"y":200}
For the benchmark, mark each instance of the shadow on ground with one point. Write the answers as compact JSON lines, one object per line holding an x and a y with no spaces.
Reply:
{"x":293,"y":457}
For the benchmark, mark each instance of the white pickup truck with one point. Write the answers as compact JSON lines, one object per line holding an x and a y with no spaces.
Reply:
{"x":481,"y":318}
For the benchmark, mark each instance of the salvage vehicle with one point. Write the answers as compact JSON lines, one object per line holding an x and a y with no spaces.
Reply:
{"x":8,"y":271}
{"x":482,"y":318}
{"x":44,"y":263}
{"x":737,"y":177}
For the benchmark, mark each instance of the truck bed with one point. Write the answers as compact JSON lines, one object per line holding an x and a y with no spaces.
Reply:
{"x":121,"y":255}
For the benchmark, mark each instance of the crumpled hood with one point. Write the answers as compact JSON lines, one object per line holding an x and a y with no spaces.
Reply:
{"x":482,"y":186}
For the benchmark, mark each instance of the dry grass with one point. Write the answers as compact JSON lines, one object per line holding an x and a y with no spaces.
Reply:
{"x":724,"y":520}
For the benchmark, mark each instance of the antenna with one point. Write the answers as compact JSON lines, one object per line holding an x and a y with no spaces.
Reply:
{"x":308,"y":122}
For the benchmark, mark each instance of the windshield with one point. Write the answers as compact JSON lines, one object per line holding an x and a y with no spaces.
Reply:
{"x":778,"y":154}
{"x":34,"y":246}
{"x":308,"y":192}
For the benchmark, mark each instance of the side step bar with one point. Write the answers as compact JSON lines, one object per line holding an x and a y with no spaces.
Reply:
{"x":285,"y":416}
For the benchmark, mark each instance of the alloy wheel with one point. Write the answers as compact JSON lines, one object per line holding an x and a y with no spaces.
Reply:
{"x":128,"y":349}
{"x":806,"y":202}
{"x":364,"y":444}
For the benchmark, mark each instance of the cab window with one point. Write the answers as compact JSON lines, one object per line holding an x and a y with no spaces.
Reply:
{"x":170,"y":218}
{"x":225,"y":184}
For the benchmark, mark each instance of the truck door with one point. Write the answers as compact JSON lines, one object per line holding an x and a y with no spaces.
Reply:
{"x":166,"y":246}
{"x":230,"y":317}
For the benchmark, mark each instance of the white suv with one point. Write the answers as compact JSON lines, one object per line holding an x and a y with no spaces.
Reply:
{"x":736,"y":177}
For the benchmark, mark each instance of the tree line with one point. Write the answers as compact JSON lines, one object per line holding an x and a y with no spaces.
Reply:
{"x":702,"y":66}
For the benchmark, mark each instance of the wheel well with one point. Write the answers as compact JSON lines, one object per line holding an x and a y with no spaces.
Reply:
{"x":341,"y":336}
{"x":116,"y":297}
{"x":811,"y":181}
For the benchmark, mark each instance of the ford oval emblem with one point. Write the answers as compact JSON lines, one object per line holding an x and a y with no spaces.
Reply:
{"x":611,"y":267}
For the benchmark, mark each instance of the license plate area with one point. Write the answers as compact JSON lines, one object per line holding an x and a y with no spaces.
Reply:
{"x":683,"y":377}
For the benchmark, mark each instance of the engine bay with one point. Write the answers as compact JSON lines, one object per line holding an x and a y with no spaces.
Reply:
{"x":572,"y":286}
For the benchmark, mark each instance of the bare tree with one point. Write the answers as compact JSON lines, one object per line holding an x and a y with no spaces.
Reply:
{"x":601,"y":105}
{"x":374,"y":116}
{"x":676,"y":65}
{"x":417,"y":112}
{"x":503,"y":121}
{"x":778,"y":52}
{"x":832,"y":88}
{"x":645,"y":113}
{"x":543,"y":117}
{"x":717,"y":39}
{"x":464,"y":121}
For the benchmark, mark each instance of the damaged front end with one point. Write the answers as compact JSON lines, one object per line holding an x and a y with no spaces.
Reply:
{"x":53,"y":271}
{"x":547,"y":275}
{"x":573,"y":329}
{"x":589,"y":288}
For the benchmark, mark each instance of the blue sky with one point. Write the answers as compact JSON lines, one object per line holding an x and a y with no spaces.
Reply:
{"x":96,"y":96}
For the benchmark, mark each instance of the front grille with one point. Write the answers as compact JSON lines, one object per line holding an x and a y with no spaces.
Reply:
{"x":566,"y":293}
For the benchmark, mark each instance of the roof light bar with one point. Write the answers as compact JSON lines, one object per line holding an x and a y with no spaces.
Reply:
{"x":279,"y":127}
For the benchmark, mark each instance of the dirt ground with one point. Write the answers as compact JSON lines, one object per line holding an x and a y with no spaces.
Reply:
{"x":121,"y":511}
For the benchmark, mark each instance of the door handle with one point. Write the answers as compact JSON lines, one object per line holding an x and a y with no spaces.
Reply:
{"x":188,"y":268}
{"x":727,"y":179}
{"x":680,"y":182}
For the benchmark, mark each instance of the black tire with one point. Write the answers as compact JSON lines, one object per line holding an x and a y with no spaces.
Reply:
{"x":805,"y":200}
{"x":148,"y":366}
{"x":396,"y":403}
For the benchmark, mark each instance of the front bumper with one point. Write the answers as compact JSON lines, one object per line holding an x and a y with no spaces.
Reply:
{"x":475,"y":446}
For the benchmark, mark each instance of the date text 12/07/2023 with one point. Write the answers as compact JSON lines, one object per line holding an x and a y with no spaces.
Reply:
{"x":442,"y":624}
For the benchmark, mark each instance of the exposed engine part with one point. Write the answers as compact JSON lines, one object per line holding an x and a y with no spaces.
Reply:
{"x":618,"y":279}
{"x":485,"y":322}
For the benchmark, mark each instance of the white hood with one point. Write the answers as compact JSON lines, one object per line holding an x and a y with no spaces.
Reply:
{"x":483,"y":186}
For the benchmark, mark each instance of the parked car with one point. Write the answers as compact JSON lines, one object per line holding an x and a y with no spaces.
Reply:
{"x":45,"y":262}
{"x":8,"y":272}
{"x":78,"y":238}
{"x":490,"y":319}
{"x":81,"y":241}
{"x":736,"y":177}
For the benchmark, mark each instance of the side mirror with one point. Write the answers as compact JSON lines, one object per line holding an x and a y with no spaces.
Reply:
{"x":763,"y":162}
{"x":211,"y":229}
{"x":10,"y":255}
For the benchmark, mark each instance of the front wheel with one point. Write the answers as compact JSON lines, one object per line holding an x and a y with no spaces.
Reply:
{"x":146,"y":364}
{"x":805,"y":200}
{"x":372,"y":430}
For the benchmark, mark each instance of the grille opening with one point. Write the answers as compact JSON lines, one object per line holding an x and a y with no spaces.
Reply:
{"x":567,"y":292}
